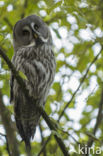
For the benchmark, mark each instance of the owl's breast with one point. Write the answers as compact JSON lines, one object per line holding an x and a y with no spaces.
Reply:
{"x":39,"y":68}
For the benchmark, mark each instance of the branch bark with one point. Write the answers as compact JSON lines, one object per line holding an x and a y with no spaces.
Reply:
{"x":7,"y":144}
{"x":12,"y":144}
{"x":40,"y":109}
{"x":98,"y":121}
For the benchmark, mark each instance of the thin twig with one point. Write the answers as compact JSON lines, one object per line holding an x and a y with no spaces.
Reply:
{"x":24,"y":8}
{"x":82,"y":80}
{"x":2,"y":134}
{"x":67,"y":133}
{"x":42,"y":142}
{"x":8,"y":22}
{"x":44,"y":145}
{"x":98,"y":120}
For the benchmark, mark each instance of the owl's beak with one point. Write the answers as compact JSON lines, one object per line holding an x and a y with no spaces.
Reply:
{"x":35,"y":35}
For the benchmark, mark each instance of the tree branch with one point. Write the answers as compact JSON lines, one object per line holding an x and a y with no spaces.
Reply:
{"x":52,"y":127}
{"x":44,"y":145}
{"x":8,"y":125}
{"x":8,"y":22}
{"x":40,"y":109}
{"x":42,"y":142}
{"x":98,"y":120}
{"x":7,"y":144}
{"x":24,"y":8}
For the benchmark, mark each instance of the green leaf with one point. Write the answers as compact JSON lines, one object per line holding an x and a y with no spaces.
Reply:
{"x":22,"y":75}
{"x":56,"y":133}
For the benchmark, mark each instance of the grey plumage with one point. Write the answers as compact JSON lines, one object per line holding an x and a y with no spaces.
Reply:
{"x":34,"y":57}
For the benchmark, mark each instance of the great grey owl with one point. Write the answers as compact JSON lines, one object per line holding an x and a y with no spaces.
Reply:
{"x":34,"y":57}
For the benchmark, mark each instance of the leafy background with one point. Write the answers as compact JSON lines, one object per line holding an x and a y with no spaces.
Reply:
{"x":77,"y":30}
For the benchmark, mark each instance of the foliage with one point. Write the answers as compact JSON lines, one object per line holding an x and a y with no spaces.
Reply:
{"x":77,"y":30}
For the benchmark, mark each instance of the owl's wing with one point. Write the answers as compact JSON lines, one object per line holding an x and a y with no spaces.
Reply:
{"x":11,"y":88}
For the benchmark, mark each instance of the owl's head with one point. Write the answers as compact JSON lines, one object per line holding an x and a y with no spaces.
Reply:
{"x":31,"y":31}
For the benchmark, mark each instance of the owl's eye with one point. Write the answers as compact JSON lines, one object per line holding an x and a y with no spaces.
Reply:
{"x":25,"y":32}
{"x":36,"y":27}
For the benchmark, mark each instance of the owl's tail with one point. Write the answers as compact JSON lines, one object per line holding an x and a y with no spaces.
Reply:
{"x":29,"y":131}
{"x":25,"y":137}
{"x":28,"y":147}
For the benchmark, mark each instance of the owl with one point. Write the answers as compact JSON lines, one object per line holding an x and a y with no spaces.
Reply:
{"x":33,"y":56}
